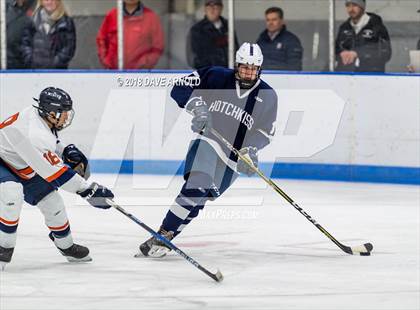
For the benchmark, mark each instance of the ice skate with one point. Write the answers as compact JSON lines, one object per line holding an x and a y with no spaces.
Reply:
{"x":154,"y":247}
{"x":5,"y":257}
{"x":74,"y":254}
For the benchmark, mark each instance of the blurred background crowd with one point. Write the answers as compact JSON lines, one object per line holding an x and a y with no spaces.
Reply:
{"x":370,"y":35}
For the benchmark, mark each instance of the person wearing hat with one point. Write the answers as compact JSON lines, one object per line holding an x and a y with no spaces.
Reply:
{"x":363,"y":43}
{"x":208,"y":39}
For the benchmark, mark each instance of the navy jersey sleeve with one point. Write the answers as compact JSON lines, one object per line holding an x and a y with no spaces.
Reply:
{"x":265,"y":127}
{"x":182,"y":93}
{"x":208,"y":78}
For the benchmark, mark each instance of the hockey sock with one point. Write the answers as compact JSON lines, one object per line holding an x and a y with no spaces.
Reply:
{"x":11,"y":200}
{"x":193,"y":214}
{"x":190,"y":200}
{"x":53,"y":209}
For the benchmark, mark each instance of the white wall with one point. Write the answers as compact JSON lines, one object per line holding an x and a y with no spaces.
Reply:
{"x":372,"y":120}
{"x":389,"y":10}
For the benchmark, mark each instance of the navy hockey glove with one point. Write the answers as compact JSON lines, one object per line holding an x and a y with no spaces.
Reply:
{"x":96,"y":195}
{"x":201,"y":115}
{"x":250,"y":153}
{"x":77,"y":161}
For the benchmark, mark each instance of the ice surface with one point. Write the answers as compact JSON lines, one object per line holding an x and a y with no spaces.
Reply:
{"x":270,"y":255}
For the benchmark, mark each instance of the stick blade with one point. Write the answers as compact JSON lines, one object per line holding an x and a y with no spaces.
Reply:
{"x":218,"y":276}
{"x":363,"y":250}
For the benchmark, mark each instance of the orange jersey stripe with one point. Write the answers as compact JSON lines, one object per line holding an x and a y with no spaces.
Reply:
{"x":27,"y":170}
{"x":9,"y":222}
{"x":59,"y":227}
{"x":22,"y":173}
{"x":58,"y":174}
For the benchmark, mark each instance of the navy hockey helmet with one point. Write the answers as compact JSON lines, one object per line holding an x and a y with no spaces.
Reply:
{"x":55,"y":100}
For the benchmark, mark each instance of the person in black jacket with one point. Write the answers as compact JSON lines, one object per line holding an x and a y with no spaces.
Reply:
{"x":363,"y":43}
{"x":418,"y":42}
{"x":208,"y":39}
{"x":282,"y":49}
{"x":17,"y":20}
{"x":410,"y":67}
{"x":50,"y":40}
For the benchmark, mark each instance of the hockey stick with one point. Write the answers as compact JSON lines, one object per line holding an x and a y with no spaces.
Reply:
{"x":218,"y":277}
{"x":363,"y":250}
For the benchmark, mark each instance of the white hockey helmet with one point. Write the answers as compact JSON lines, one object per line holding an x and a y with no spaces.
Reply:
{"x":248,"y":54}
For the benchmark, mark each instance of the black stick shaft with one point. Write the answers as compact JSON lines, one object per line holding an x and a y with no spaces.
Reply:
{"x":280,"y":191}
{"x":217,"y":276}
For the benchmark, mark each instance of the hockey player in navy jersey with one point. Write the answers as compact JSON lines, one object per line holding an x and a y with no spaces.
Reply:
{"x":243,"y":109}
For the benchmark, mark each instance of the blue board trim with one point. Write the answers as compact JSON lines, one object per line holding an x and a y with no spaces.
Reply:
{"x":300,"y":171}
{"x":159,"y":71}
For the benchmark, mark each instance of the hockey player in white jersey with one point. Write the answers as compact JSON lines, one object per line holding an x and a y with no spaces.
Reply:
{"x":34,"y":164}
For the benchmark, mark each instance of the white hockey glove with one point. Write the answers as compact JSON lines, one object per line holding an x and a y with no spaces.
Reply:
{"x":250,"y":153}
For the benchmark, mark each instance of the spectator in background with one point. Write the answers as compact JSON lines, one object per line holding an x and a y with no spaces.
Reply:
{"x":49,"y":42}
{"x":363,"y":43}
{"x":17,"y":19}
{"x":411,"y":68}
{"x":282,"y":49}
{"x":418,"y":42}
{"x":143,"y":37}
{"x":208,"y":38}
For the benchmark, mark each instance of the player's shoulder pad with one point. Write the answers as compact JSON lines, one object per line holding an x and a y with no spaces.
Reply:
{"x":42,"y":141}
{"x":264,"y":85}
{"x":215,"y":77}
{"x":216,"y":71}
{"x":216,"y":74}
{"x":39,"y":135}
{"x":267,"y":92}
{"x":222,"y":70}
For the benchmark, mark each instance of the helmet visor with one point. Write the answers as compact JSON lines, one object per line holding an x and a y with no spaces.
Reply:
{"x":64,"y":119}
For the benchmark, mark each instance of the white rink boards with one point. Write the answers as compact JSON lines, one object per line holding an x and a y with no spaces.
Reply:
{"x":270,"y":255}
